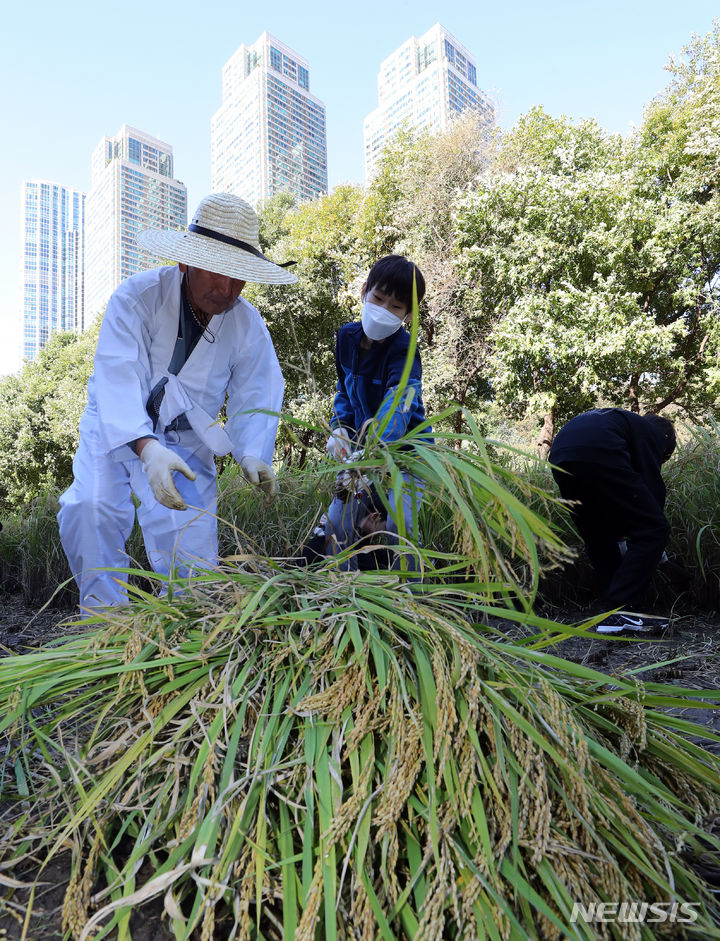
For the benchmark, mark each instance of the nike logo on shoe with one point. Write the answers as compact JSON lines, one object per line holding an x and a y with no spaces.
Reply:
{"x":618,"y":623}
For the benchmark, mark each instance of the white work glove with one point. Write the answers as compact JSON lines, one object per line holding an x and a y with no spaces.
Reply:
{"x":159,"y":463}
{"x":344,"y":480}
{"x":260,"y":474}
{"x":339,"y":444}
{"x":352,"y":478}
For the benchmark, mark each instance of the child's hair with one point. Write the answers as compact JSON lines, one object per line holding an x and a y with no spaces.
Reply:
{"x":369,"y":502}
{"x":393,"y":274}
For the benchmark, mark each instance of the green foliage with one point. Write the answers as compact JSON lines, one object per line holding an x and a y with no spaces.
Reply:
{"x":32,"y":561}
{"x":31,"y":558}
{"x":693,"y":510}
{"x":381,"y":230}
{"x":408,"y":209}
{"x":303,"y":318}
{"x":678,"y":177}
{"x":246,"y":526}
{"x":597,"y":258}
{"x":40,"y":411}
{"x":549,"y":246}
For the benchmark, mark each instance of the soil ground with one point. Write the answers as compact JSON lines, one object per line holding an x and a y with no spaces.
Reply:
{"x":686,"y":654}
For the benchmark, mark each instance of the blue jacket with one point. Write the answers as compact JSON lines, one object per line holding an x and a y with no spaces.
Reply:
{"x":366,"y":384}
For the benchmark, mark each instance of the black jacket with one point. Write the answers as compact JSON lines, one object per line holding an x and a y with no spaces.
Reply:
{"x":614,"y":437}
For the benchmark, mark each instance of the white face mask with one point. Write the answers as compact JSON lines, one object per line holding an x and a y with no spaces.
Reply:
{"x":378,"y":323}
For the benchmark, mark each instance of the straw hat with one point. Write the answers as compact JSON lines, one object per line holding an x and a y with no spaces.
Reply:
{"x":222,"y":238}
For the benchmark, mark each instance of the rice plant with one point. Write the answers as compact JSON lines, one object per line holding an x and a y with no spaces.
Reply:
{"x":32,"y":561}
{"x":313,"y":753}
{"x":31,"y":556}
{"x":693,"y":509}
{"x":244,"y":524}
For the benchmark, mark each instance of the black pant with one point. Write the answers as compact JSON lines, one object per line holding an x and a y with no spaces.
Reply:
{"x":614,"y":503}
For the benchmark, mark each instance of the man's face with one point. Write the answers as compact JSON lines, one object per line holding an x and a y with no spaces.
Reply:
{"x":209,"y":292}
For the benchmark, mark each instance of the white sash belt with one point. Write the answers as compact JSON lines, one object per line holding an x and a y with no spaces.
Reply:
{"x":177,"y":402}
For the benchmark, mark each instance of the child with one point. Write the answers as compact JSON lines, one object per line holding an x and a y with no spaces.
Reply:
{"x":370,"y":358}
{"x":608,"y":461}
{"x":369,"y":517}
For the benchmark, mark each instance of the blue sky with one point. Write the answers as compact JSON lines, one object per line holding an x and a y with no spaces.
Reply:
{"x":72,"y":74}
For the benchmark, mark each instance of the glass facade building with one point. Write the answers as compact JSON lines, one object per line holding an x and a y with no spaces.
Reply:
{"x":132,"y":188}
{"x":53,"y":224}
{"x":426,"y":83}
{"x":268,"y":136}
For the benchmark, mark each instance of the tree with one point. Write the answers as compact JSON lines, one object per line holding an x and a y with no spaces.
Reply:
{"x":40,"y":411}
{"x":409,"y":209}
{"x":561,"y":240}
{"x":677,"y":156}
{"x":322,"y":237}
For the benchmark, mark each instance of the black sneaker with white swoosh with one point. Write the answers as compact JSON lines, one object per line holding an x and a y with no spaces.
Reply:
{"x":631,"y":624}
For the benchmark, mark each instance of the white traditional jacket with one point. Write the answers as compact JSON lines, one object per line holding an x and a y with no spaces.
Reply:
{"x":136,"y":343}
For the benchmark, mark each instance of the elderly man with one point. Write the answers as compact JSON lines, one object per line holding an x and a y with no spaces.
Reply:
{"x":176,"y":344}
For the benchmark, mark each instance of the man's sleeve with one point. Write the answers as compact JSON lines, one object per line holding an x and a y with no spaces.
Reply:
{"x":256,"y":383}
{"x":121,"y":374}
{"x":644,"y":459}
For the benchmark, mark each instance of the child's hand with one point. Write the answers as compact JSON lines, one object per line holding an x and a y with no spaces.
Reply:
{"x":343,"y":483}
{"x":350,"y":481}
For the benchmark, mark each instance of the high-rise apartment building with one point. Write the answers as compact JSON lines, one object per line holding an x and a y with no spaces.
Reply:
{"x":131,"y":188}
{"x":268,"y":136}
{"x":53,"y":219}
{"x":425,"y":84}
